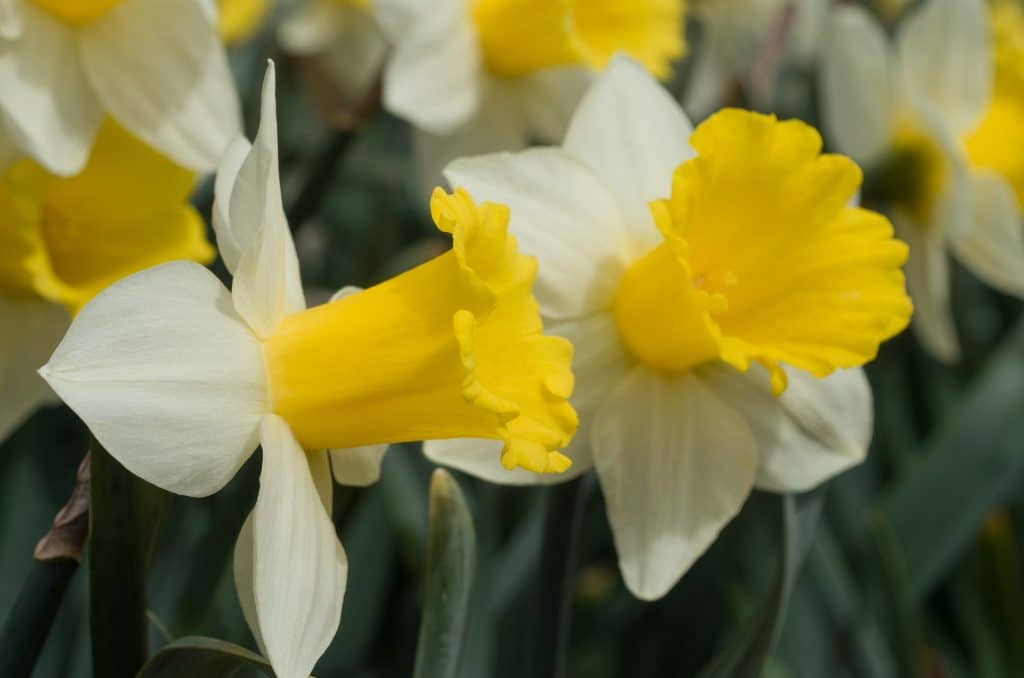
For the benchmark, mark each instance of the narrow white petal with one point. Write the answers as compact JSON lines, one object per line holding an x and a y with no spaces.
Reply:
{"x":29,"y":331}
{"x":562,"y":214}
{"x":10,"y":19}
{"x":52,"y":113}
{"x":816,"y":429}
{"x":856,"y":71}
{"x":434,"y":75}
{"x":299,"y":568}
{"x":267,"y":285}
{"x":993,"y":248}
{"x":633,"y":135}
{"x":230,"y":243}
{"x":945,"y":49}
{"x":676,"y":463}
{"x":357,"y":466}
{"x":167,"y":376}
{"x":160,"y":69}
{"x":928,"y":280}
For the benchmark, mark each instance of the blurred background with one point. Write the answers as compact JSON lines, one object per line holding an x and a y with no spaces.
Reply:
{"x":909,"y":565}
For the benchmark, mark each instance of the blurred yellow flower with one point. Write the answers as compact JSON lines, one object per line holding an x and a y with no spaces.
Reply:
{"x":239,"y":20}
{"x":62,"y":240}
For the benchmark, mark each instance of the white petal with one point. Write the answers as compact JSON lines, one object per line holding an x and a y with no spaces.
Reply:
{"x":676,"y":464}
{"x":29,"y":331}
{"x":52,"y":113}
{"x":10,"y":19}
{"x":434,"y":74}
{"x":633,"y":135}
{"x":160,"y":69}
{"x":928,"y":281}
{"x":856,"y":72}
{"x":562,"y":214}
{"x":814,"y":430}
{"x":267,"y":284}
{"x":550,"y":97}
{"x":229,"y":243}
{"x":299,"y":567}
{"x":167,"y":376}
{"x":994,"y":246}
{"x":945,"y":50}
{"x":311,"y":28}
{"x":357,"y":466}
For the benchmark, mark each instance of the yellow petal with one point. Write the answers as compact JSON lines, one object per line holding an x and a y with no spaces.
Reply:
{"x":522,"y":36}
{"x":763,"y":260}
{"x":451,"y":349}
{"x":65,"y":239}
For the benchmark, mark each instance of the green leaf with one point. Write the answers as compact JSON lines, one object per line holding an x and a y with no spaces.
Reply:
{"x":125,"y":515}
{"x":972,"y":464}
{"x":451,"y":560}
{"x":747,"y":653}
{"x":198,"y":657}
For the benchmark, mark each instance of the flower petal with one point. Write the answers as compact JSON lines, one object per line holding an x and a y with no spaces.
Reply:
{"x":51,"y":112}
{"x":434,"y":75}
{"x":561,"y":214}
{"x":299,"y":568}
{"x":550,"y":97}
{"x":633,"y":135}
{"x":267,"y":285}
{"x":160,"y":69}
{"x":29,"y":331}
{"x":928,"y":281}
{"x":360,"y":466}
{"x":945,"y":51}
{"x":816,"y":429}
{"x":10,"y":19}
{"x":856,"y":78}
{"x":230,"y":243}
{"x":994,"y":246}
{"x":676,"y":463}
{"x":167,"y":376}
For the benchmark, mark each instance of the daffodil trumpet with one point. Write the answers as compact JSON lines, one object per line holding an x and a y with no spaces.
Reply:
{"x":720,"y":292}
{"x":180,"y":379}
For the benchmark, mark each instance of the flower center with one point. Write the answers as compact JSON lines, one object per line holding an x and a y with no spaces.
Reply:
{"x":912,"y":175}
{"x":518,"y":37}
{"x":451,"y":349}
{"x":77,"y":12}
{"x":763,"y":261}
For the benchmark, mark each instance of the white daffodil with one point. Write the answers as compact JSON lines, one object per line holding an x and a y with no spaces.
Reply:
{"x":907,"y":112}
{"x":62,"y":240}
{"x":156,"y":66}
{"x":345,"y":34}
{"x":180,"y":380}
{"x":474,"y":76}
{"x":685,"y":340}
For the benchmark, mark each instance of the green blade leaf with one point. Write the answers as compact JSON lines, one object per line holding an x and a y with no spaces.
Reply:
{"x":745,"y":656}
{"x":199,"y":657}
{"x":451,"y":560}
{"x":972,"y":464}
{"x":125,"y":514}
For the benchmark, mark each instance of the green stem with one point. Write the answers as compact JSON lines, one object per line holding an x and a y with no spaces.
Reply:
{"x":125,"y":516}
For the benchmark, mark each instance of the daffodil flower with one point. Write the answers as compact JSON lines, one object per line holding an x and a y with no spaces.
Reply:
{"x":474,"y":76}
{"x":156,"y":66}
{"x":63,"y":240}
{"x":345,"y":34}
{"x":713,"y":330}
{"x":180,"y":380}
{"x":909,"y":114}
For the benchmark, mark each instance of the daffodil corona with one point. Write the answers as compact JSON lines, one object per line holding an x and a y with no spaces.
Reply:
{"x":936,"y":127}
{"x":63,"y":70}
{"x":65,"y":239}
{"x":718,"y":289}
{"x":502,"y":71}
{"x":180,"y":380}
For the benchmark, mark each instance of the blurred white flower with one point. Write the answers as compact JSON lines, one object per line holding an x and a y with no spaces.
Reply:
{"x":904,"y":112}
{"x":474,"y":76}
{"x":761,"y":276}
{"x":156,"y":66}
